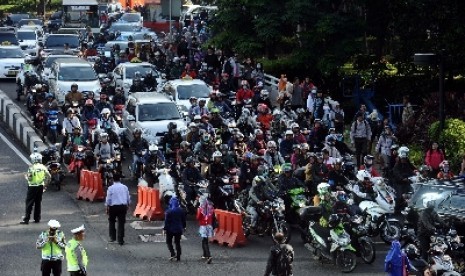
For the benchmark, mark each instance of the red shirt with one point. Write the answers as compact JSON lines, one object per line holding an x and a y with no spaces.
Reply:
{"x":208,"y":220}
{"x":244,"y":94}
{"x":434,"y":158}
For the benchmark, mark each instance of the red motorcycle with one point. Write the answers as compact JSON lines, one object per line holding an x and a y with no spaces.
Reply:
{"x":91,"y":127}
{"x":119,"y":109}
{"x":79,"y":159}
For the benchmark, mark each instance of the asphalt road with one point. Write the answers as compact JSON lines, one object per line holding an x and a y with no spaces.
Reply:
{"x":17,"y":242}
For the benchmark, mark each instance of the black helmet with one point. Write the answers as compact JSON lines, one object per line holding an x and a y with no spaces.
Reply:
{"x":172,"y":125}
{"x":333,"y":220}
{"x":138,"y":131}
{"x":189,"y":159}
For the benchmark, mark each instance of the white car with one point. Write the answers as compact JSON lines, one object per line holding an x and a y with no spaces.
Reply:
{"x":64,"y":73}
{"x":11,"y":60}
{"x":181,"y":90}
{"x":50,"y":59}
{"x":124,"y":73}
{"x":151,"y":112}
{"x":28,"y":39}
{"x":132,"y":18}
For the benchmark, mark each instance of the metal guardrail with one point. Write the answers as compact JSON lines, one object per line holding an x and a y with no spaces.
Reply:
{"x":269,"y":80}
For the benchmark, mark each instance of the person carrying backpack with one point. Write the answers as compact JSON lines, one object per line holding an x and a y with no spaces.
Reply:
{"x":280,"y":258}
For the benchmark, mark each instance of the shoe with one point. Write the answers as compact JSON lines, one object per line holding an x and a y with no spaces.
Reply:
{"x":209,"y":260}
{"x":24,"y":222}
{"x":36,"y":221}
{"x":178,"y":259}
{"x":111,"y":240}
{"x":172,"y":258}
{"x":121,"y":243}
{"x":203,"y":257}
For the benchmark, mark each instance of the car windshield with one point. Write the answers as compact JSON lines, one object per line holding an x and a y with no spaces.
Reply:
{"x":158,"y":112}
{"x":122,"y":45}
{"x":30,"y":22}
{"x":18,"y":17}
{"x":193,"y":90}
{"x":26,"y":35}
{"x":11,"y":53}
{"x":50,"y":59}
{"x":8,"y":38}
{"x":131,"y":17}
{"x":77,"y":74}
{"x":142,"y":69}
{"x":121,"y":28}
{"x":60,"y":40}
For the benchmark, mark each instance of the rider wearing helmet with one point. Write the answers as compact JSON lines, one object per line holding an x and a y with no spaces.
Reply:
{"x":74,"y":95}
{"x":150,"y":82}
{"x":227,"y":158}
{"x":108,"y":124}
{"x":104,"y":103}
{"x":330,"y":146}
{"x":401,"y":172}
{"x":272,"y":156}
{"x":171,"y":138}
{"x":258,"y":142}
{"x":336,"y":177}
{"x":89,"y":114}
{"x":201,"y":109}
{"x":286,"y":181}
{"x":137,"y":145}
{"x":368,"y":165}
{"x":445,"y":173}
{"x":204,"y":150}
{"x":190,"y":176}
{"x":104,"y":150}
{"x":285,"y":147}
{"x":264,"y":116}
{"x":137,"y":84}
{"x":37,"y":178}
{"x":248,"y":169}
{"x":363,"y":189}
{"x":260,"y":191}
{"x":426,"y":225}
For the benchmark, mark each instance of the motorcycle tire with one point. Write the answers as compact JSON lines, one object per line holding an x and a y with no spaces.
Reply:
{"x":367,"y":251}
{"x":283,"y":228}
{"x":388,"y":234}
{"x":346,"y":261}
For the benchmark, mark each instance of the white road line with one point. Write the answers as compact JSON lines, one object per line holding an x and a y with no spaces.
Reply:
{"x":24,"y":158}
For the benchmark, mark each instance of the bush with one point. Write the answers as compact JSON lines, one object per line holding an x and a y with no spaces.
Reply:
{"x":453,"y":139}
{"x":416,"y":155}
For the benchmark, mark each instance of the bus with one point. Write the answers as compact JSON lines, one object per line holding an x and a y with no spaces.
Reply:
{"x":82,"y":13}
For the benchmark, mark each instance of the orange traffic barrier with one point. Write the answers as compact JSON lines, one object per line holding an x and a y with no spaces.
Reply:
{"x":85,"y":180}
{"x":148,"y":204}
{"x":90,"y":186}
{"x":229,"y":229}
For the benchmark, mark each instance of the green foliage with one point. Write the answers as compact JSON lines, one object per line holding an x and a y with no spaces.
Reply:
{"x":453,"y":139}
{"x":416,"y":155}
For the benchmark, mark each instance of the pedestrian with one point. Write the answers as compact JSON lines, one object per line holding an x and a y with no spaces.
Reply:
{"x":175,"y":224}
{"x":396,"y":262}
{"x":433,"y":158}
{"x":37,"y":178}
{"x":76,"y":255}
{"x":117,"y":203}
{"x":296,"y":95}
{"x":206,"y":218}
{"x":426,"y":227}
{"x":280,"y":258}
{"x":360,"y":133}
{"x":51,"y":242}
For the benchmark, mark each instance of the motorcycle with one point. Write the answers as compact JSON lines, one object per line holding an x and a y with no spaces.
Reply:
{"x":52,"y":125}
{"x":298,"y":200}
{"x":119,"y":109}
{"x":364,"y":246}
{"x":226,"y":193}
{"x":199,"y":189}
{"x":140,"y":164}
{"x":77,"y":160}
{"x":271,"y":220}
{"x":107,"y":171}
{"x":167,"y":186}
{"x":333,"y":247}
{"x":91,"y":130}
{"x":378,"y":218}
{"x":51,"y":161}
{"x":441,"y":262}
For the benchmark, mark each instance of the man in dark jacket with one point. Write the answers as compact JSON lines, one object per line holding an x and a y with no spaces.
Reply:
{"x":175,"y":224}
{"x":426,"y":227}
{"x":280,"y":265}
{"x":402,"y":170}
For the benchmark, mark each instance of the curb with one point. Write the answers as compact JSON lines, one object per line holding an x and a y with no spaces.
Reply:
{"x":18,"y":123}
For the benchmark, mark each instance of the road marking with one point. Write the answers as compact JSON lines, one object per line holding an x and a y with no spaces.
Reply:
{"x":26,"y":160}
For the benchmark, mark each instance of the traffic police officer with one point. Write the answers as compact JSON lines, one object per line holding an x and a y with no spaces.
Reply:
{"x":51,"y":242}
{"x":37,"y":177}
{"x":76,"y":255}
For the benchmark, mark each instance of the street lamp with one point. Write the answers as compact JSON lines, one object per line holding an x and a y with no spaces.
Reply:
{"x":429,"y":59}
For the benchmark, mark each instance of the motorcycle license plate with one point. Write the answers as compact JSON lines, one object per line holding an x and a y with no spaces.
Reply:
{"x":12,"y":73}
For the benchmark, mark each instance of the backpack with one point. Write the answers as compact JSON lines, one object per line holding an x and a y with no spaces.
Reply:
{"x":283,"y":262}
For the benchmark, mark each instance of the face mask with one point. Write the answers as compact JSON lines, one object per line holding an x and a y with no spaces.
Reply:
{"x":244,"y":87}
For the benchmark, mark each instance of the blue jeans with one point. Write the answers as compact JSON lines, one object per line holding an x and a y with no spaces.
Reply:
{"x":135,"y":160}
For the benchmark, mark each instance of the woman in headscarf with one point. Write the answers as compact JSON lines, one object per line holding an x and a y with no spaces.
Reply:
{"x":175,"y":224}
{"x":396,"y":262}
{"x":206,"y":217}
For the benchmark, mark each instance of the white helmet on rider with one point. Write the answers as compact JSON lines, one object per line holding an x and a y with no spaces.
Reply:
{"x":271,"y":144}
{"x":362,"y":175}
{"x":36,"y":157}
{"x":153,"y":147}
{"x":403,"y":152}
{"x":105,"y":111}
{"x":103,"y":136}
{"x":323,"y":188}
{"x":217,"y":154}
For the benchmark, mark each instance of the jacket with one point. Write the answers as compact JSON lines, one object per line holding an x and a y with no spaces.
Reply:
{"x":434,"y":158}
{"x":175,"y":221}
{"x":273,"y":258}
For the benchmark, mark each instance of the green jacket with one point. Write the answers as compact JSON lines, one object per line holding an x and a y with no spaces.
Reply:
{"x":51,"y":251}
{"x":76,"y":256}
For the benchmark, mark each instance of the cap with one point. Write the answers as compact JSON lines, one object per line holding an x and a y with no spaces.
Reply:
{"x":78,"y":230}
{"x":54,"y":224}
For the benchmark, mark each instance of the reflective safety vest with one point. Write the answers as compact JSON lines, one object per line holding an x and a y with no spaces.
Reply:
{"x":36,"y":174}
{"x":50,"y":250}
{"x":73,"y":250}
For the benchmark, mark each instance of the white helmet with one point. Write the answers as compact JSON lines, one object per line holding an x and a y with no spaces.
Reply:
{"x":362,"y":174}
{"x":105,"y":111}
{"x":379,"y":182}
{"x":323,"y":188}
{"x":217,"y":154}
{"x":289,"y":132}
{"x":153,"y":147}
{"x":295,"y":125}
{"x":264,"y":93}
{"x":36,"y":157}
{"x":403,"y":152}
{"x":54,"y":224}
{"x":271,"y":144}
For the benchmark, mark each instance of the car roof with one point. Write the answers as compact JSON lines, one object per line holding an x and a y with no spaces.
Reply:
{"x":51,"y":35}
{"x":150,"y":98}
{"x":186,"y":82}
{"x":74,"y":62}
{"x":9,"y":47}
{"x":134,"y":64}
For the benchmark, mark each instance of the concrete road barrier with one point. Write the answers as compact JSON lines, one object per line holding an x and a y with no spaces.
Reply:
{"x":11,"y":114}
